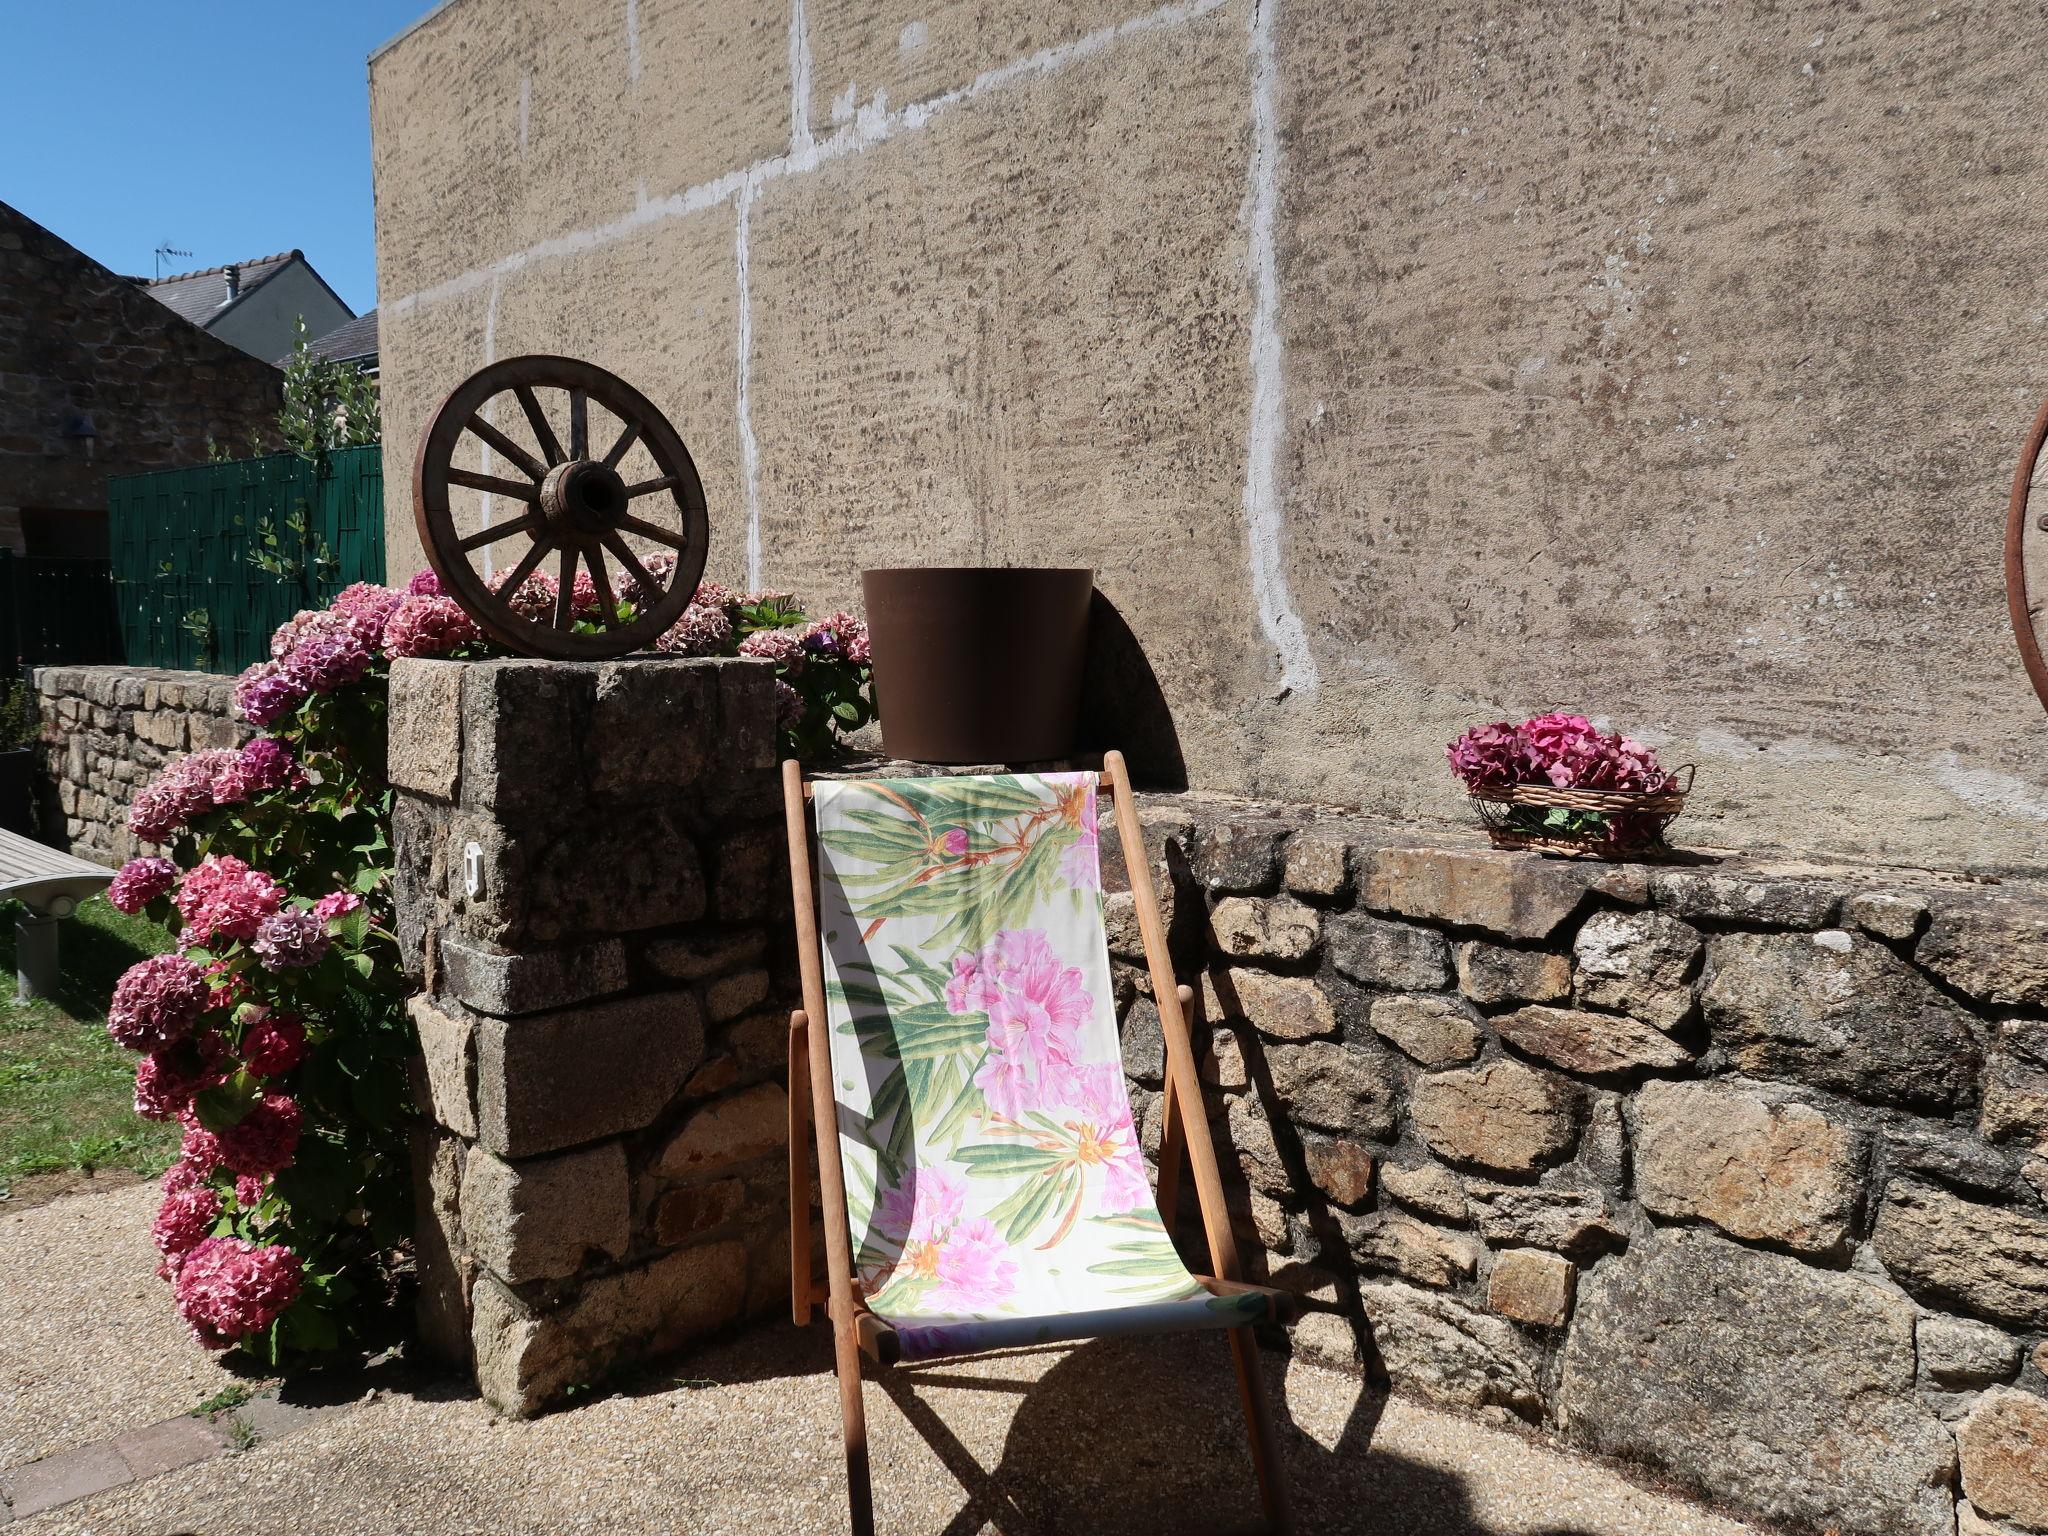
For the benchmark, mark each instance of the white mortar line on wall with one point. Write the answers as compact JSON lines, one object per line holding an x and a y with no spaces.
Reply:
{"x":1265,"y":531}
{"x":750,"y":454}
{"x":799,"y":79}
{"x":490,"y":356}
{"x":633,"y":40}
{"x":874,"y":124}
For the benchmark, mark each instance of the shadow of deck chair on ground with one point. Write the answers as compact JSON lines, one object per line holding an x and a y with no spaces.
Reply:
{"x":958,"y":1063}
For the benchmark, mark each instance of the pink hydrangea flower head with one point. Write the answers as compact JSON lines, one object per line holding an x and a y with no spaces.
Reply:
{"x":269,"y":764}
{"x":222,"y":897}
{"x":291,"y":940}
{"x":789,"y":706}
{"x":156,"y":1003}
{"x":184,"y":1220}
{"x":701,"y":631}
{"x":336,"y":904}
{"x":429,"y":626}
{"x":180,"y":1176}
{"x":185,"y":791}
{"x":839,"y":635}
{"x":201,"y":1150}
{"x":267,"y":692}
{"x":423,"y":584}
{"x":228,"y":1289}
{"x":332,"y":659}
{"x":660,"y":567}
{"x":167,"y":1080}
{"x":534,"y":599}
{"x":140,"y":882}
{"x":264,"y":1139}
{"x":249,"y":1190}
{"x":784,"y":647}
{"x":1486,"y":754}
{"x":301,"y":626}
{"x":274,"y":1044}
{"x":716,"y":594}
{"x":366,"y":607}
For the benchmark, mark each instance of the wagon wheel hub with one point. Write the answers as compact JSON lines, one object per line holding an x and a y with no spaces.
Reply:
{"x":585,"y":536}
{"x":581,"y":499}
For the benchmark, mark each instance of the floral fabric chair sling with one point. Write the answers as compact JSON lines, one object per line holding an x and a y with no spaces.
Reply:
{"x":994,"y":1190}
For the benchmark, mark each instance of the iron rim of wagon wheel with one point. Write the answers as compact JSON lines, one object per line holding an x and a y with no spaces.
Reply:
{"x":575,"y":510}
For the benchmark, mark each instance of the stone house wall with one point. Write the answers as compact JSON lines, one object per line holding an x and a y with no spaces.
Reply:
{"x":1738,"y":1172}
{"x":106,"y":732}
{"x":593,"y":896}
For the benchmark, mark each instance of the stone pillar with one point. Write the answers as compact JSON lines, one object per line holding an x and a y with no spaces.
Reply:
{"x":593,"y":897}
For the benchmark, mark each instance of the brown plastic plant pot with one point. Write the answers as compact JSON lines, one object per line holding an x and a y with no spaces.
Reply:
{"x":978,"y":665}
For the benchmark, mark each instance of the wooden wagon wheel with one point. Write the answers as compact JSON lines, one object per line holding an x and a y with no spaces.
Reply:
{"x":2017,"y":530}
{"x":574,"y":512}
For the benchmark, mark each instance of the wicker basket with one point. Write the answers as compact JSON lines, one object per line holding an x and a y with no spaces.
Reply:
{"x":1599,"y":823}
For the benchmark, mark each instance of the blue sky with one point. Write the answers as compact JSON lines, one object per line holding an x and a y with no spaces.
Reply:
{"x":228,"y":130}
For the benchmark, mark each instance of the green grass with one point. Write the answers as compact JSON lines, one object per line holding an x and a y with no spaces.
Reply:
{"x":66,"y":1090}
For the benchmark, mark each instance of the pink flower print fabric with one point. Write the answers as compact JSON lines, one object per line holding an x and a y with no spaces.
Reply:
{"x":997,"y":1189}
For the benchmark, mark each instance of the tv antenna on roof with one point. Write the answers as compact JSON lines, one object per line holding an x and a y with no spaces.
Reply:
{"x":166,"y":251}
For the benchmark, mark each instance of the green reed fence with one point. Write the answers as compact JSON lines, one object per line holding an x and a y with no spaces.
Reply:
{"x":188,"y":590}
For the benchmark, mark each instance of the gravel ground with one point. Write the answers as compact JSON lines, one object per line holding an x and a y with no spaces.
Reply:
{"x":743,"y":1438}
{"x":89,"y":1345}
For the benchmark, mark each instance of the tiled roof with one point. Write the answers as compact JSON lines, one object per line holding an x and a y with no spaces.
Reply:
{"x":199,"y":296}
{"x":349,"y":342}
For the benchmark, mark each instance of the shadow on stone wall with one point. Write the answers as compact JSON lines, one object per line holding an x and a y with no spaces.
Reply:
{"x":1122,"y":705}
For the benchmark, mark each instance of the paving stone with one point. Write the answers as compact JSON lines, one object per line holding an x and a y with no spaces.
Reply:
{"x":1594,"y":1044}
{"x":1839,"y":1011}
{"x":1786,"y":1389}
{"x":1436,"y":1031}
{"x":1575,"y":1222}
{"x":1265,"y":928}
{"x":1504,"y":1116}
{"x":1425,"y":1187}
{"x":2004,"y":1445}
{"x":1397,"y":956}
{"x":1340,"y":1167}
{"x":1493,"y":973}
{"x":1509,"y":895}
{"x":167,"y":1446}
{"x":1282,"y":1007}
{"x":1955,"y":1253}
{"x":63,"y":1479}
{"x":1640,"y":963}
{"x":750,"y":1124}
{"x":1756,"y":1167}
{"x":554,"y":1080}
{"x":1956,"y":1353}
{"x":1318,"y":864}
{"x":508,"y":984}
{"x":1532,"y":1286}
{"x":1336,"y":1087}
{"x":1993,"y":948}
{"x":541,"y":1218}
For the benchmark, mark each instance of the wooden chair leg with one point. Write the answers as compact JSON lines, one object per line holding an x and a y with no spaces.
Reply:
{"x":1172,"y":1141}
{"x":1258,"y":1418}
{"x":799,"y":1169}
{"x":860,"y":1499}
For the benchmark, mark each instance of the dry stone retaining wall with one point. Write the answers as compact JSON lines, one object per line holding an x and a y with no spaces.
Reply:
{"x":106,"y":733}
{"x":1740,"y":1173}
{"x":593,"y":895}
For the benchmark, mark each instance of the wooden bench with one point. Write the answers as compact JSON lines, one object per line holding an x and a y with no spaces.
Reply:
{"x":50,"y":885}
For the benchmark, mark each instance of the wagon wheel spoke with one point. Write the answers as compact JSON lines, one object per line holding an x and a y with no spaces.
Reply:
{"x":528,"y":524}
{"x":497,"y":485}
{"x":543,"y":434}
{"x":579,"y":424}
{"x":513,"y":454}
{"x":608,"y":605}
{"x":623,"y":552}
{"x":524,"y":568}
{"x":653,"y":531}
{"x":626,"y":440}
{"x":649,"y":487}
{"x":565,"y":589}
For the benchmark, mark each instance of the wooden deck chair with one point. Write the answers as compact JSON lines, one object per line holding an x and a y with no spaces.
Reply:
{"x":957,"y":1063}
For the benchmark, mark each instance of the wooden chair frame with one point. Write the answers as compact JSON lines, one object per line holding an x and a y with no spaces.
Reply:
{"x":813,"y":1119}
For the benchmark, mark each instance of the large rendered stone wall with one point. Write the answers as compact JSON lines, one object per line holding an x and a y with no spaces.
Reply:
{"x":1735,"y":1171}
{"x":1394,"y":366}
{"x":593,"y":897}
{"x":106,"y":732}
